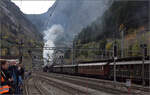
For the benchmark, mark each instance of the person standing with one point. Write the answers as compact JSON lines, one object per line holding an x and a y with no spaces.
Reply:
{"x":15,"y":75}
{"x":21,"y":77}
{"x":6,"y":80}
{"x":21,"y":71}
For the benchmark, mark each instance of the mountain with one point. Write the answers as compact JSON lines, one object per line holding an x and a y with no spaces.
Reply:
{"x":132,"y":17}
{"x":38,"y":20}
{"x":132,"y":14}
{"x":16,"y":28}
{"x":71,"y":15}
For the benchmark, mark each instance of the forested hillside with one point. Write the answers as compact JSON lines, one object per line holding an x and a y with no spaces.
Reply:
{"x":128,"y":16}
{"x":15,"y":29}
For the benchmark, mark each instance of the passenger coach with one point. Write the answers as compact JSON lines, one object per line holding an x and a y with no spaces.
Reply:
{"x":124,"y":70}
{"x":94,"y":69}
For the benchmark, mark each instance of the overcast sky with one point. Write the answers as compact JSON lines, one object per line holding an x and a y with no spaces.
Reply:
{"x":34,"y":6}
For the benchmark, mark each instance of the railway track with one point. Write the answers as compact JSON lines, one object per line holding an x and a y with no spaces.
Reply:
{"x":33,"y":86}
{"x":99,"y":85}
{"x":69,"y":88}
{"x":42,"y":86}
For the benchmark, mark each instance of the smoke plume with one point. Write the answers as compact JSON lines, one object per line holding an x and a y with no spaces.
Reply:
{"x":50,"y":36}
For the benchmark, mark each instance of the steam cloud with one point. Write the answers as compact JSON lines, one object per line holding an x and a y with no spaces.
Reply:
{"x":50,"y":35}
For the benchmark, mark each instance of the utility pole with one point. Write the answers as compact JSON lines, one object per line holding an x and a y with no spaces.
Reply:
{"x":0,"y":48}
{"x":115,"y":58}
{"x":20,"y":51}
{"x":30,"y":53}
{"x":144,"y":53}
{"x":73,"y":48}
{"x":149,"y":64}
{"x":122,"y":44}
{"x":143,"y":60}
{"x":73,"y":52}
{"x":122,"y":29}
{"x":20,"y":47}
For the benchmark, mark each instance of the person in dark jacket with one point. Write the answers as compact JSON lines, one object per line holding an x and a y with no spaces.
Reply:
{"x":21,"y":77}
{"x":21,"y":71}
{"x":15,"y":75}
{"x":6,"y":75}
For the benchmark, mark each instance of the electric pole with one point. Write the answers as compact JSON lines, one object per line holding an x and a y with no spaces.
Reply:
{"x":0,"y":48}
{"x":115,"y":58}
{"x":73,"y":52}
{"x":73,"y":49}
{"x":122,"y":44}
{"x":144,"y":53}
{"x":122,"y":29}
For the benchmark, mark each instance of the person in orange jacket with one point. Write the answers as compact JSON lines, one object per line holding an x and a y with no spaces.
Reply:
{"x":6,"y":79}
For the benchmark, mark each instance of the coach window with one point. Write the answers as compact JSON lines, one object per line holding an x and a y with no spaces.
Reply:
{"x":126,"y":67}
{"x":95,"y":68}
{"x":117,"y":67}
{"x":99,"y":67}
{"x":89,"y":67}
{"x":86,"y":67}
{"x":102,"y":67}
{"x":82,"y":67}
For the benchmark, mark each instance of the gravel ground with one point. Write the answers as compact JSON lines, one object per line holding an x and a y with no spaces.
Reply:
{"x":59,"y":91}
{"x":98,"y":85}
{"x":58,"y":87}
{"x":31,"y":88}
{"x":55,"y":84}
